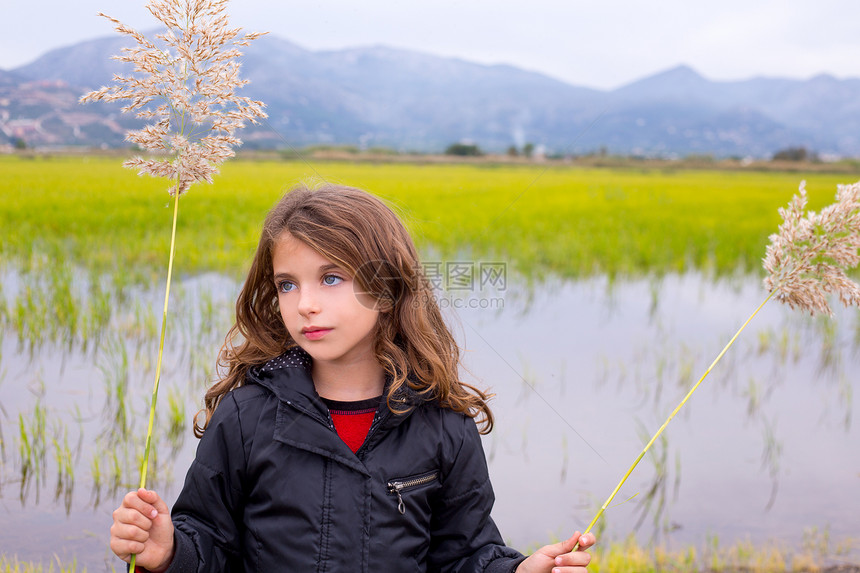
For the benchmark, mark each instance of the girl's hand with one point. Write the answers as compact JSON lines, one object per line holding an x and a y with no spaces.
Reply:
{"x":560,"y":557}
{"x":142,"y":526}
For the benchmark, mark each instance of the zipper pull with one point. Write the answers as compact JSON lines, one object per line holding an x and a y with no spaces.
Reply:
{"x":395,"y":489}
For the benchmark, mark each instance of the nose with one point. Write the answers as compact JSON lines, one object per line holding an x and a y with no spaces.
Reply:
{"x":308,"y":302}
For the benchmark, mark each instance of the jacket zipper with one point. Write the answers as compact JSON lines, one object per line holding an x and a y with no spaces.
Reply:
{"x":374,"y":425}
{"x":397,"y":486}
{"x":327,"y":421}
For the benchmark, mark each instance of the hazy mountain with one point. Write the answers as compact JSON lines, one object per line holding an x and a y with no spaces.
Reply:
{"x":412,"y":101}
{"x":8,"y":79}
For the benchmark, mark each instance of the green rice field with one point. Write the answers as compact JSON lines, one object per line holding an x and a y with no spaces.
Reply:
{"x":556,"y":220}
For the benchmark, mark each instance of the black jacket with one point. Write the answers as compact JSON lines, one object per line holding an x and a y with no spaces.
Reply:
{"x":273,"y":488}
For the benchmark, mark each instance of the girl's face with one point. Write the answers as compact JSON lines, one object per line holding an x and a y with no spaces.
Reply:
{"x":321,"y":308}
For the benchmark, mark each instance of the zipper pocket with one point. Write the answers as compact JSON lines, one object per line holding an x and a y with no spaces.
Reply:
{"x":397,"y":486}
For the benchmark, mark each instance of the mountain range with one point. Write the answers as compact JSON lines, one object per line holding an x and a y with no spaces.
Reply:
{"x":385,"y":97}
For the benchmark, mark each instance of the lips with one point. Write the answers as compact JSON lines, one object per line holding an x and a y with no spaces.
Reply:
{"x":315,"y":332}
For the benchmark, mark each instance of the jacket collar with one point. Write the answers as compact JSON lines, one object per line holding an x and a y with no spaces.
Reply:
{"x":288,"y":377}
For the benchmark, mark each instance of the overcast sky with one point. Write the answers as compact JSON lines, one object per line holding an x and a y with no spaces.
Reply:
{"x":598,"y":43}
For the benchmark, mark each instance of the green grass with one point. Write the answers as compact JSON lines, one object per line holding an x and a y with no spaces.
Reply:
{"x":13,"y":565}
{"x":564,"y":221}
{"x":817,"y":552}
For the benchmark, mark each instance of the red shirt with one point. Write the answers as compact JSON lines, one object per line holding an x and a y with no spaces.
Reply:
{"x":352,"y":420}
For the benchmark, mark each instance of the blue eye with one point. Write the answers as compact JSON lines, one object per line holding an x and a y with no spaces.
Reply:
{"x":285,"y":286}
{"x":332,"y":280}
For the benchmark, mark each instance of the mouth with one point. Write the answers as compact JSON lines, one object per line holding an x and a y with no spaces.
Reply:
{"x":315,"y":332}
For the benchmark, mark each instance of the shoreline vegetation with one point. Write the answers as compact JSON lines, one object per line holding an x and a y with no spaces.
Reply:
{"x":350,"y":153}
{"x":816,"y":553}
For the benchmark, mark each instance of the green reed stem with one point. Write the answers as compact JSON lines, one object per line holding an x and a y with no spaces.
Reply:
{"x":669,"y":419}
{"x":144,"y":466}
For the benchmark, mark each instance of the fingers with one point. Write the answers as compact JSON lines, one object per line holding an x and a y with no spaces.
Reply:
{"x":142,"y":501}
{"x":124,"y":548}
{"x":129,"y":532}
{"x":153,"y":499}
{"x":132,"y":522}
{"x":569,"y":561}
{"x":586,"y":540}
{"x":561,"y":547}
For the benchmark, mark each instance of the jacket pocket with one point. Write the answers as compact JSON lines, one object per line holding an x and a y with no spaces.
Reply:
{"x":397,"y":486}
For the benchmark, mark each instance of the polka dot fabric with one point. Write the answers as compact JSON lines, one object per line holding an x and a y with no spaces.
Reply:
{"x":293,"y":358}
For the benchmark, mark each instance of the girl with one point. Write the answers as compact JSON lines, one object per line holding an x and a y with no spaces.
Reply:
{"x":340,"y":437}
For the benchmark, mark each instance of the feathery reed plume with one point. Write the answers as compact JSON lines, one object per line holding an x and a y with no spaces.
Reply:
{"x":806,"y":260}
{"x":188,"y":89}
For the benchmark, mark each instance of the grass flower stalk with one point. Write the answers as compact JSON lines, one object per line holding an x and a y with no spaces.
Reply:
{"x":186,"y":83}
{"x":145,"y":464}
{"x":806,"y":261}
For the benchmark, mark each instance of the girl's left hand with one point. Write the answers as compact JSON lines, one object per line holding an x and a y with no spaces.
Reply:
{"x":560,"y":557}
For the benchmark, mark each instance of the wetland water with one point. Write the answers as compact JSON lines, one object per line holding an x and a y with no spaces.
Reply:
{"x":584,"y":373}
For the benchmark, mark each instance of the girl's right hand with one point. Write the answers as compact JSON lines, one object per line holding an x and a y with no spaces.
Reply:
{"x":142,"y":526}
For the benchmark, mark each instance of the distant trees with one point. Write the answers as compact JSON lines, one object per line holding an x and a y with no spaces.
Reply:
{"x":464,"y":149}
{"x":529,"y":149}
{"x":795,"y":154}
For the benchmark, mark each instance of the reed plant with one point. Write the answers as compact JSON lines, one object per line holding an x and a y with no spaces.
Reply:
{"x":114,"y":366}
{"x":96,"y":317}
{"x":2,"y":435}
{"x":33,"y":444}
{"x":176,"y":421}
{"x":97,"y":479}
{"x":63,"y":459}
{"x":116,"y":466}
{"x":806,"y":262}
{"x":185,"y":82}
{"x":4,"y":310}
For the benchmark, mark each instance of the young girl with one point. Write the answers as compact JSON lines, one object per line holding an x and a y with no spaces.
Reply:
{"x":340,"y":437}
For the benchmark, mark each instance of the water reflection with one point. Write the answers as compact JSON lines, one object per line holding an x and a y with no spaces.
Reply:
{"x":584,"y":373}
{"x":766,"y":448}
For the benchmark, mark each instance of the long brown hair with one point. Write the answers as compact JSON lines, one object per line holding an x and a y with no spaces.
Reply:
{"x":357,"y":231}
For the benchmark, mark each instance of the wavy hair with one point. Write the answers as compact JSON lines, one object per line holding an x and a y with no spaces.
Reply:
{"x":357,"y":231}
